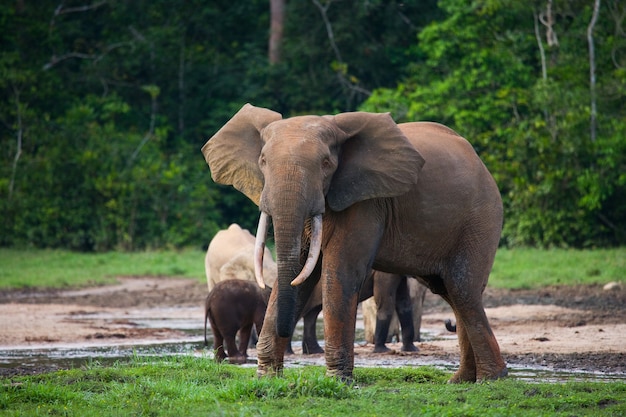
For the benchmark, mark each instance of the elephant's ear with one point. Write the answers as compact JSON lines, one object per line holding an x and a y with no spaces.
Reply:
{"x":376,"y":160}
{"x":233,"y":152}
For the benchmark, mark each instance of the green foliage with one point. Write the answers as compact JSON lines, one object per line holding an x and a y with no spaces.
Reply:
{"x":188,"y":385}
{"x":106,"y":107}
{"x":482,"y":75}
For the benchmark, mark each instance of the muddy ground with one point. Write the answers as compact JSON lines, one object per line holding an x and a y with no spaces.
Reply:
{"x":570,"y":328}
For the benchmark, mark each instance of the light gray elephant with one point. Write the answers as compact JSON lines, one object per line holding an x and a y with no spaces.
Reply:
{"x":354,"y":192}
{"x":230,"y":255}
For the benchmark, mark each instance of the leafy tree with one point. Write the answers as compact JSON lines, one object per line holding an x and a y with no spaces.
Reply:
{"x":107,"y":103}
{"x":482,"y":75}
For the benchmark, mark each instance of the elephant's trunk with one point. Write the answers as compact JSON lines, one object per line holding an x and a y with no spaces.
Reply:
{"x":288,"y":249}
{"x":288,"y":246}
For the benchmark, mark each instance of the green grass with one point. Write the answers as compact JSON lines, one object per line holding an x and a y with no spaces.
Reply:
{"x":513,"y":268}
{"x":58,"y":268}
{"x":190,"y":386}
{"x":536,"y":268}
{"x":195,"y":386}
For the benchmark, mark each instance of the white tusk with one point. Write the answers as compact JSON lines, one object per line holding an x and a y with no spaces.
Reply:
{"x":259,"y":249}
{"x":314,"y":251}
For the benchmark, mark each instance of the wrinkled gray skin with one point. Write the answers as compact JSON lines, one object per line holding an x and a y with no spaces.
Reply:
{"x":411,"y":199}
{"x":234,"y":306}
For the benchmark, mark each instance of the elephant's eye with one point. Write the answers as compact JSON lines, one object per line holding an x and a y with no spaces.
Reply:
{"x":262,"y":160}
{"x":326,"y":164}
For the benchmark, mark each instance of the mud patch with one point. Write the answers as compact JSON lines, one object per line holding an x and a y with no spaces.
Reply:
{"x":562,"y":328}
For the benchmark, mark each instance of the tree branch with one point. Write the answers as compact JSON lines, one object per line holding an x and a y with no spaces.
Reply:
{"x":592,"y":68}
{"x":62,"y":10}
{"x":54,"y":60}
{"x":331,"y":38}
{"x":329,"y":28}
{"x":542,"y":52}
{"x":547,"y":19}
{"x":18,"y":150}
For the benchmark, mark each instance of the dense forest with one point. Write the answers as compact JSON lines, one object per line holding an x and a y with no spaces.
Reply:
{"x":106,"y":103}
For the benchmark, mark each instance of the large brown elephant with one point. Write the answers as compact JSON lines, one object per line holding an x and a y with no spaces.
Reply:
{"x":356,"y":191}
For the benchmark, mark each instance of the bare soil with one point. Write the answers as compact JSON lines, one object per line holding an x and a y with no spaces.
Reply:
{"x":578,"y":328}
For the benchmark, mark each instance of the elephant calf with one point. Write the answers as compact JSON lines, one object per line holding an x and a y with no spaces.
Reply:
{"x":234,"y":306}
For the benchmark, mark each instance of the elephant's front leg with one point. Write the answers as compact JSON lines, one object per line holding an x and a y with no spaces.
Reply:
{"x":347,"y":262}
{"x":271,"y":347}
{"x":339,"y":309}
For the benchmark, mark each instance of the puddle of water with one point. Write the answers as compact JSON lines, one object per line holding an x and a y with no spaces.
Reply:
{"x":76,"y":357}
{"x":80,"y":355}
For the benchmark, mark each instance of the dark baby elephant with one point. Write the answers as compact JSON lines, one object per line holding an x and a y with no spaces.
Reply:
{"x":234,"y":306}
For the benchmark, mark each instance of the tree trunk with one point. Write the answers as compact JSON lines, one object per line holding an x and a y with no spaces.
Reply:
{"x":277,"y":13}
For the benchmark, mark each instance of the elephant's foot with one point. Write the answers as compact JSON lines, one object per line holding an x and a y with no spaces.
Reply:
{"x":310,"y":350}
{"x":462,"y":375}
{"x":501,"y":372}
{"x":237,"y":359}
{"x":381,"y":349}
{"x":344,"y":377}
{"x":410,"y":348}
{"x":467,"y":374}
{"x":269,"y":371}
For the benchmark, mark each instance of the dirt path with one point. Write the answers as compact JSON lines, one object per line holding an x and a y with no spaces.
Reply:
{"x":580,"y":327}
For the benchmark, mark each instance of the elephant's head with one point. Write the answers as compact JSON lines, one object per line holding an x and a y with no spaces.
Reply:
{"x":294,"y":169}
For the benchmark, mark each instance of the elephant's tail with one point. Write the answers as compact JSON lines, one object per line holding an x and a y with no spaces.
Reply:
{"x":449,"y":326}
{"x":206,"y":316}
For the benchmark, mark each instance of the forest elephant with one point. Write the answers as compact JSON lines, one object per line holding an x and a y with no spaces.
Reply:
{"x":397,"y":303}
{"x":234,"y":306}
{"x":353,"y":192}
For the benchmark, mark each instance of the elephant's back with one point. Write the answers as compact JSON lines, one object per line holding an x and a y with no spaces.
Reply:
{"x":450,"y":161}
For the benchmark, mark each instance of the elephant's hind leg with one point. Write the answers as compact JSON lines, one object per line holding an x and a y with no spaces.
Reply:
{"x":467,"y":368}
{"x":480,"y":354}
{"x":234,"y":356}
{"x":218,"y":340}
{"x":244,"y":338}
